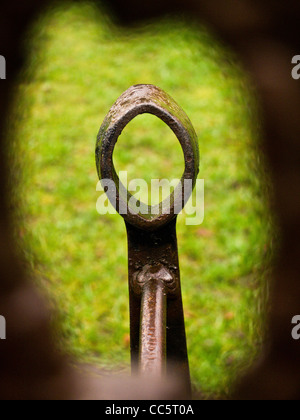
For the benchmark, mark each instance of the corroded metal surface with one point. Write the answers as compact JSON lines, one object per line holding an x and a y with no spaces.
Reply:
{"x":159,"y":251}
{"x":152,"y":351}
{"x":138,"y":100}
{"x":157,"y":330}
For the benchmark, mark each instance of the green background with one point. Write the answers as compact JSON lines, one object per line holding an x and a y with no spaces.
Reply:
{"x":79,"y":65}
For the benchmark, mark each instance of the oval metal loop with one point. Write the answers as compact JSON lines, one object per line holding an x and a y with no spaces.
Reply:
{"x":137,"y":100}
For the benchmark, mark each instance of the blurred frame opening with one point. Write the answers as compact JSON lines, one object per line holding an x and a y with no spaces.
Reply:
{"x":79,"y":65}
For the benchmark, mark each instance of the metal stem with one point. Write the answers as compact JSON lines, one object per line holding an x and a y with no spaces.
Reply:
{"x":152,"y":356}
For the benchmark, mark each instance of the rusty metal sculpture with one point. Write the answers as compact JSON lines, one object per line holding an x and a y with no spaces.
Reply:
{"x":157,"y":330}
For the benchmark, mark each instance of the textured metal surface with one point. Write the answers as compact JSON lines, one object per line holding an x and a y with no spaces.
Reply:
{"x":159,"y":251}
{"x":152,"y":351}
{"x":138,"y":100}
{"x":157,"y":330}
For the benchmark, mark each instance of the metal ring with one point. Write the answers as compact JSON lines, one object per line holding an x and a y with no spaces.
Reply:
{"x":137,"y":100}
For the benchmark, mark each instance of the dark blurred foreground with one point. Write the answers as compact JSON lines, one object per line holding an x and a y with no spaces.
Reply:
{"x":265,"y":35}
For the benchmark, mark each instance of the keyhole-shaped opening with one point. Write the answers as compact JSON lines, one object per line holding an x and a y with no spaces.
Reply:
{"x":149,"y":158}
{"x":139,"y":100}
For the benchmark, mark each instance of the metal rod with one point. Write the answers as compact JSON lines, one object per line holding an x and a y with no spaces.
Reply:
{"x":157,"y":330}
{"x":152,"y":357}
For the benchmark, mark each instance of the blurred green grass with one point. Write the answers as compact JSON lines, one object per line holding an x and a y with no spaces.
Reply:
{"x":79,"y":65}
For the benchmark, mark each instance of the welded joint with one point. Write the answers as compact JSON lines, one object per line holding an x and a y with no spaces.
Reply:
{"x":156,"y":272}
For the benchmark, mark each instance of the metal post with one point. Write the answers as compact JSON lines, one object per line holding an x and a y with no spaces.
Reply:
{"x":157,"y":331}
{"x":152,"y":357}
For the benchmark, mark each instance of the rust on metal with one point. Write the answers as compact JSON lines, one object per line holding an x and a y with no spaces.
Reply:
{"x":152,"y":351}
{"x":157,"y":330}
